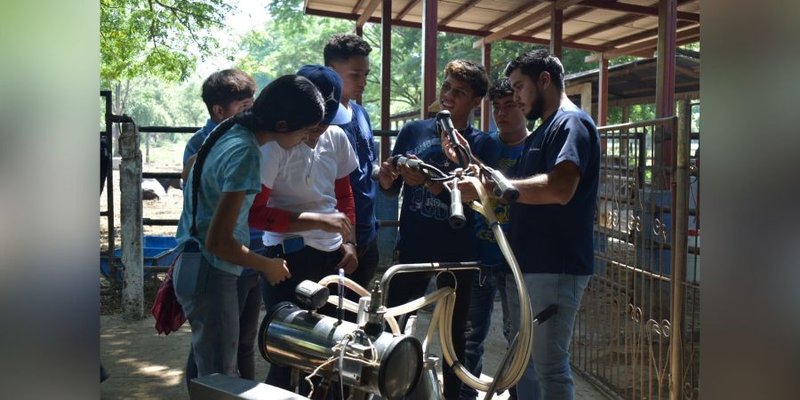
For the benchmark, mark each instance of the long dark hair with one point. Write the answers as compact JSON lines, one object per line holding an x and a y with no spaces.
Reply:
{"x":290,"y":98}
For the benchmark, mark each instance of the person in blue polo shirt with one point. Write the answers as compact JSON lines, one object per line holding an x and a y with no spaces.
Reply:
{"x":511,"y":132}
{"x":348,"y":55}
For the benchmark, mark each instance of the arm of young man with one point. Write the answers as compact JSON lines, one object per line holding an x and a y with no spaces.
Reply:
{"x":555,"y":187}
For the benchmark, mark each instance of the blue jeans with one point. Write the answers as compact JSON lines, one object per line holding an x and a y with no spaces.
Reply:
{"x":249,"y":293}
{"x":549,"y":375}
{"x":210,"y":302}
{"x":492,"y":280}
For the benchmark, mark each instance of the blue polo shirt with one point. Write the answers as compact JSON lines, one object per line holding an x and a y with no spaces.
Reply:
{"x":553,"y":238}
{"x":359,"y":133}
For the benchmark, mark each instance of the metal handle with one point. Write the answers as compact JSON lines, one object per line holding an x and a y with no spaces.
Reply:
{"x":457,"y":219}
{"x":503,"y":188}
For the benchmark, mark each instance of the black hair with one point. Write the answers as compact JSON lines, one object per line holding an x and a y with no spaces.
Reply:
{"x":342,"y":46}
{"x":534,"y":62}
{"x":500,"y":88}
{"x":292,"y":99}
{"x":470,"y":72}
{"x":226,"y":86}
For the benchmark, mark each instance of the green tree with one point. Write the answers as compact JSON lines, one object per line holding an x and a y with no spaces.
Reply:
{"x":154,"y":38}
{"x":292,"y":38}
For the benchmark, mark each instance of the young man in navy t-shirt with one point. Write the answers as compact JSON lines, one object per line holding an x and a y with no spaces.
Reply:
{"x":425,"y":234}
{"x":551,"y":224}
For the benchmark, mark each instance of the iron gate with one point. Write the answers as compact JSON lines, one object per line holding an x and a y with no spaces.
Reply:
{"x":623,"y":330}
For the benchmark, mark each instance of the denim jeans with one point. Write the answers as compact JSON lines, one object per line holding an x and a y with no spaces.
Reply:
{"x":492,"y":280}
{"x":249,"y":308}
{"x":249,"y":294}
{"x":209,"y":300}
{"x":549,"y":375}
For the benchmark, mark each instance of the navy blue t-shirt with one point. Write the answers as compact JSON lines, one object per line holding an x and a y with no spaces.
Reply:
{"x":425,"y":234}
{"x":359,"y":133}
{"x":554,"y":238}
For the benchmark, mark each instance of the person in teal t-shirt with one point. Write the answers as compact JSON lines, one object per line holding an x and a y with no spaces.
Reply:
{"x":213,"y":231}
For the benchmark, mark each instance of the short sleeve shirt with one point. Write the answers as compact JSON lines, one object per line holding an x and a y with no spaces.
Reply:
{"x":302,"y":178}
{"x":557,"y":238}
{"x":232,"y":165}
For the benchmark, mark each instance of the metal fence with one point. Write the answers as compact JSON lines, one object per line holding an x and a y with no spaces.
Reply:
{"x":625,"y":328}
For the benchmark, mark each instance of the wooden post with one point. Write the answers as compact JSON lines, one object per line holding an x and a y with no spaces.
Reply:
{"x":486,"y":113}
{"x":665,"y":90}
{"x":130,"y":183}
{"x":602,"y":93}
{"x":556,"y":32}
{"x":680,"y":232}
{"x":430,"y":27}
{"x":386,"y":77}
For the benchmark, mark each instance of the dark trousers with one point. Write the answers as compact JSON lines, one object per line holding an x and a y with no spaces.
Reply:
{"x":406,"y":287}
{"x":308,"y":263}
{"x":368,"y":258}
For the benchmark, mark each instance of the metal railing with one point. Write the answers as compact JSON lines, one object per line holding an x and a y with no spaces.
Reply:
{"x":624,"y":330}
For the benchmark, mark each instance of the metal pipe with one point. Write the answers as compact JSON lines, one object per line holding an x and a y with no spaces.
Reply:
{"x":422,"y":267}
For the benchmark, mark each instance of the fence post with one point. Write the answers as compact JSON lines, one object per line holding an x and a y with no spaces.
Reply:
{"x":130,"y":182}
{"x":680,"y":229}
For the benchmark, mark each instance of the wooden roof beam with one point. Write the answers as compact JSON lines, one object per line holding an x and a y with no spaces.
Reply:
{"x":574,"y":13}
{"x":397,"y":22}
{"x":371,"y":6}
{"x":645,"y":47}
{"x":457,"y":13}
{"x":650,"y":33}
{"x":634,"y":9}
{"x":616,"y":22}
{"x":407,"y":8}
{"x":529,"y":5}
{"x":625,"y":20}
{"x":357,"y":6}
{"x":531,"y":19}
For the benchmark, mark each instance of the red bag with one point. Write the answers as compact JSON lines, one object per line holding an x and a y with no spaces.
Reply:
{"x":166,"y":309}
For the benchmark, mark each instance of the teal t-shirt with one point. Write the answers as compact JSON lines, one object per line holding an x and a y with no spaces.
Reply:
{"x":233,"y":165}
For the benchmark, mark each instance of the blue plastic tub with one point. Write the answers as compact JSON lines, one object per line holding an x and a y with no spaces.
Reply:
{"x":158,"y":251}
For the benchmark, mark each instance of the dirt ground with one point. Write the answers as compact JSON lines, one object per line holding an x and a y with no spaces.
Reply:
{"x":145,"y":365}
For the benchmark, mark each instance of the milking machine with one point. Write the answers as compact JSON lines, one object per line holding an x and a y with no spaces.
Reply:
{"x":365,"y":358}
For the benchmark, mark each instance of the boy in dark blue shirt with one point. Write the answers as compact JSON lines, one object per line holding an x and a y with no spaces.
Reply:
{"x":425,"y":234}
{"x":510,"y":136}
{"x":348,"y":55}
